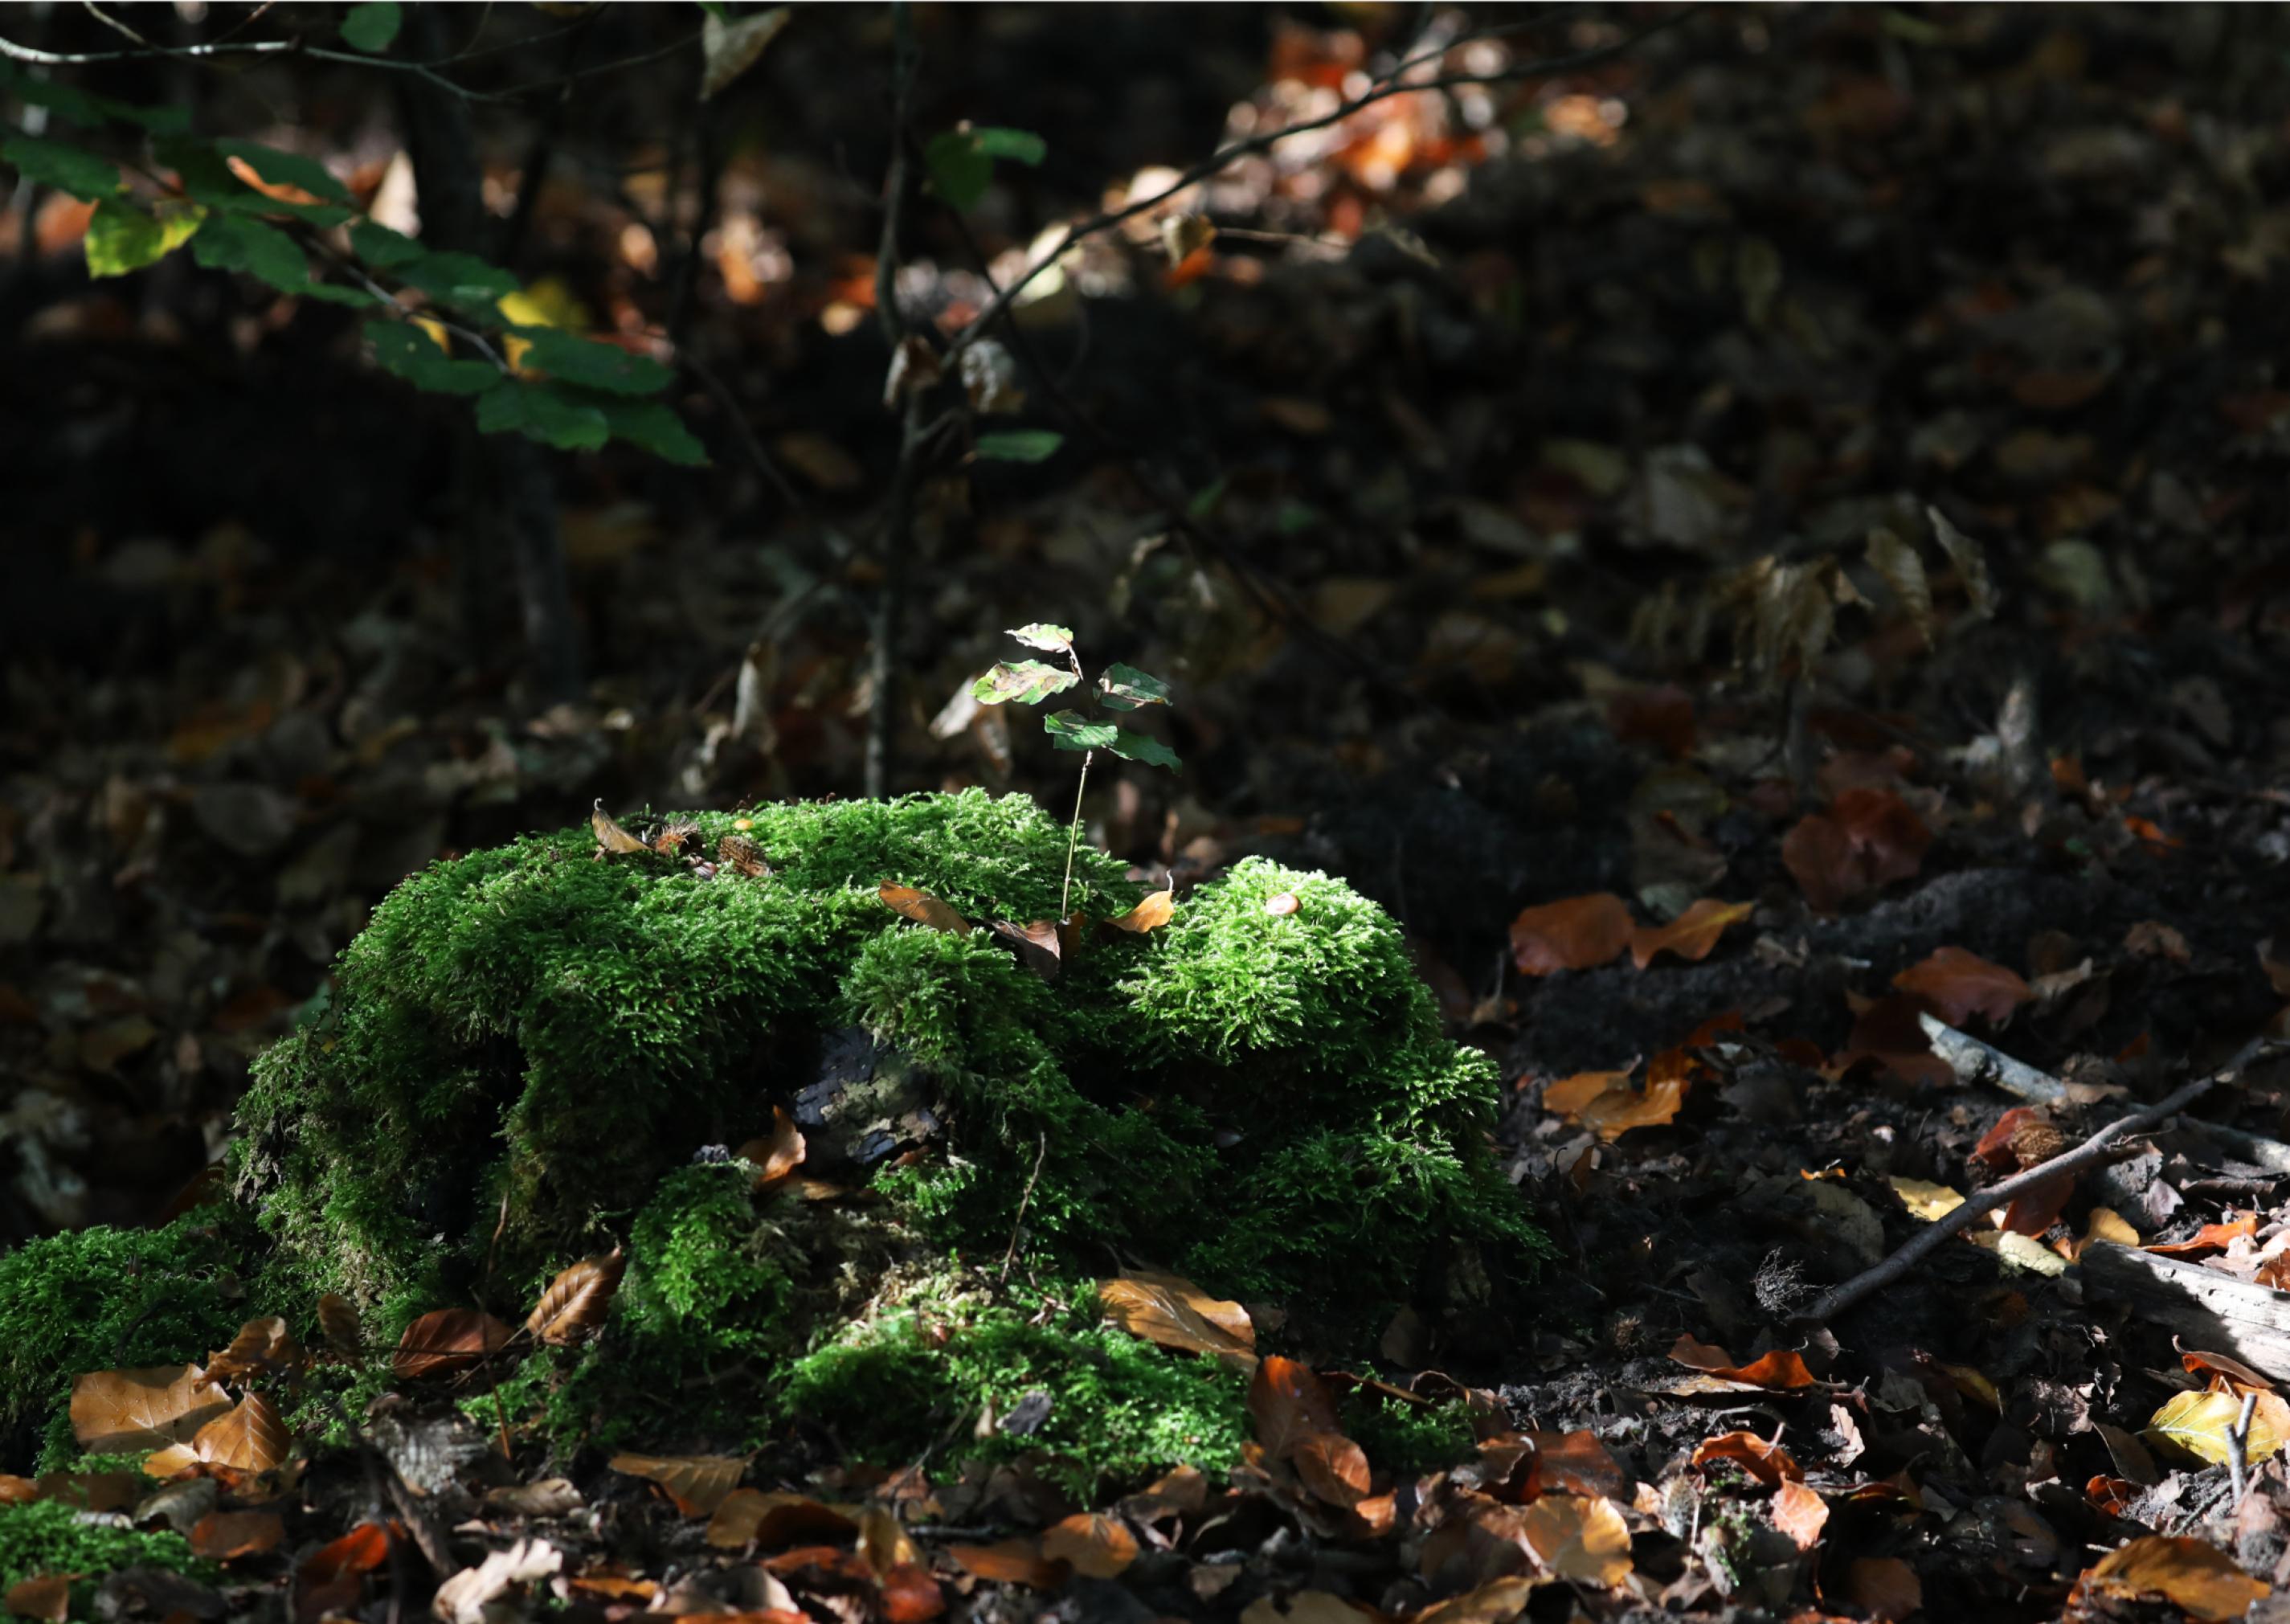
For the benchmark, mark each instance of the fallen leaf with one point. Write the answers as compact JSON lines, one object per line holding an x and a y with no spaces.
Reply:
{"x":2194,"y":1575}
{"x":1173,"y":1312}
{"x":2197,"y":1424}
{"x":130,"y":1411}
{"x":1150,"y":915}
{"x":16,"y":1490}
{"x":884,"y":1543}
{"x":1604,"y":1102}
{"x":772,"y":1519}
{"x":1578,"y":1538}
{"x":923,"y":908}
{"x":1096,"y":1546}
{"x":1692,"y":934}
{"x":1333,"y":1466}
{"x":262,"y":1347}
{"x":2104,"y":1224}
{"x":1040,"y":946}
{"x":2210,"y":1237}
{"x":1497,"y":1602}
{"x":906,"y":1594}
{"x":2198,"y":1363}
{"x":573,"y":1307}
{"x":466,"y":1597}
{"x":1013,"y":1562}
{"x":610,"y":836}
{"x":338,"y":1320}
{"x":550,"y":1497}
{"x":447,"y":1340}
{"x":1780,"y":1370}
{"x":363,"y":1549}
{"x":1769,"y":1463}
{"x":1288,"y":1401}
{"x":1578,"y":933}
{"x":1305,"y":1607}
{"x":224,"y":1536}
{"x":249,"y":1436}
{"x":1929,"y":1202}
{"x":1800,"y":1513}
{"x":1959,"y":985}
{"x":697,"y":1484}
{"x":1866,"y":838}
{"x":777,"y":1154}
{"x":1886,"y":1586}
{"x":44,"y":1595}
{"x":1577,"y":1462}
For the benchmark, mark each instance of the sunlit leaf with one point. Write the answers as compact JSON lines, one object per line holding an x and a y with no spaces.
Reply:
{"x":1333,"y":1466}
{"x":1127,"y":688}
{"x":1578,"y":933}
{"x":1579,"y":1538}
{"x":123,"y":237}
{"x":1028,"y":681}
{"x":1800,"y":1513}
{"x":609,"y":834}
{"x":249,"y":1436}
{"x":1780,"y":1371}
{"x":1288,"y":1401}
{"x":2194,"y":1575}
{"x":1145,"y":748}
{"x":1014,"y":1562}
{"x":1769,"y":1463}
{"x":446,"y":1340}
{"x":2197,"y":1424}
{"x":777,"y":1154}
{"x":1173,"y":1312}
{"x":923,"y":908}
{"x":697,"y":1484}
{"x":129,"y":1412}
{"x":1096,"y":1546}
{"x":575,"y":1306}
{"x":729,"y":47}
{"x":262,"y":1347}
{"x":1150,"y":915}
{"x":1042,"y":635}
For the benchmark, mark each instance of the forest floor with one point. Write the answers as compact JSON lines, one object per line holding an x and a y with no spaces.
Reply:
{"x":1529,"y":584}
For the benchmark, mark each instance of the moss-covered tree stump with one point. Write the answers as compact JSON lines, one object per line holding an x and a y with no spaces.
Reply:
{"x":536,"y":1053}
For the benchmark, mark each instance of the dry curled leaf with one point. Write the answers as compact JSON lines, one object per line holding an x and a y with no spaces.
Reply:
{"x":1959,"y":985}
{"x":777,"y":1154}
{"x":1769,"y":1463}
{"x":1800,"y":1513}
{"x":1150,"y":915}
{"x":2194,"y":1575}
{"x":1096,"y":1546}
{"x":743,"y":857}
{"x":1173,"y":1312}
{"x":610,"y":836}
{"x":249,"y":1436}
{"x":573,"y":1307}
{"x":1692,"y":934}
{"x":124,"y":1412}
{"x":1577,"y":933}
{"x":262,"y":1347}
{"x":1577,"y":1538}
{"x":447,"y":1340}
{"x":923,"y":908}
{"x":1040,"y":946}
{"x":698,"y":1484}
{"x":1779,"y":1370}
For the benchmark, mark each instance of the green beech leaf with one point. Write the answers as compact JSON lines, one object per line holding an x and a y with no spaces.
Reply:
{"x":371,"y":26}
{"x":652,"y":425}
{"x":121,"y":237}
{"x":1127,"y":688}
{"x":382,"y":248}
{"x":1070,"y":730}
{"x":460,"y":279}
{"x":234,"y":242}
{"x":591,"y":364}
{"x":544,"y":413}
{"x":1028,"y":681}
{"x":64,"y":166}
{"x":403,"y":350}
{"x":342,"y":293}
{"x":1019,"y":146}
{"x":1019,"y":445}
{"x":1042,"y":635}
{"x":1139,"y":747}
{"x":960,"y":161}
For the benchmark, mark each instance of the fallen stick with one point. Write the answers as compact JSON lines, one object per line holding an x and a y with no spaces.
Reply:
{"x":2090,"y":1153}
{"x":2209,"y":1310}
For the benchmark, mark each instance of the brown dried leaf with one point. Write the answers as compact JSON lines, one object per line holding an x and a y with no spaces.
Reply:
{"x":44,"y":1595}
{"x":225,"y":1536}
{"x":1289,"y":1403}
{"x":1096,"y":1546}
{"x":1800,"y":1513}
{"x":1333,"y":1466}
{"x":129,"y":1412}
{"x":1768,"y":1463}
{"x":1578,"y":1538}
{"x":1173,"y":1312}
{"x":923,"y":908}
{"x":576,"y":1302}
{"x":338,"y":1321}
{"x":1885,"y":1586}
{"x":1959,"y":985}
{"x":250,"y":1436}
{"x":698,"y":1484}
{"x":1578,"y":933}
{"x":1040,"y":946}
{"x":1150,"y":915}
{"x":1577,"y":1462}
{"x":1012,"y":1562}
{"x":1867,"y":838}
{"x":1780,"y":1370}
{"x":610,"y":836}
{"x":1498,"y":1602}
{"x":743,"y":857}
{"x":447,"y":1340}
{"x":1691,"y":935}
{"x":778,"y":1154}
{"x":2196,"y":1577}
{"x":262,"y":1347}
{"x":773,"y":1519}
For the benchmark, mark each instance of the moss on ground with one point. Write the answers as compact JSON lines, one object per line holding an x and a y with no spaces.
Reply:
{"x":527,"y":1049}
{"x":51,"y":1537}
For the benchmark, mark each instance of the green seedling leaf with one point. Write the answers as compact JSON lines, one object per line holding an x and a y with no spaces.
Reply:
{"x":382,"y":248}
{"x":1028,"y":681}
{"x":277,"y":168}
{"x":593,"y":366}
{"x":234,"y":242}
{"x":121,"y":237}
{"x":1042,"y":635}
{"x":543,"y":412}
{"x":79,"y":107}
{"x":64,"y":166}
{"x":1127,"y":688}
{"x":404,"y":351}
{"x":652,"y":426}
{"x":371,"y":26}
{"x":1143,"y":748}
{"x":1070,"y":730}
{"x":1020,"y":445}
{"x":960,"y":161}
{"x":1019,"y":146}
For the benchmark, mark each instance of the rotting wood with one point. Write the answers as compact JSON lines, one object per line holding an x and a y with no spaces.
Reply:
{"x":2214,"y":1312}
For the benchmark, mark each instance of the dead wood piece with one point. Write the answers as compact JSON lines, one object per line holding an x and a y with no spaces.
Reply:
{"x":2214,"y":1312}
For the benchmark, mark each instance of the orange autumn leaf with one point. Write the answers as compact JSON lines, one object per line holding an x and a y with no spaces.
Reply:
{"x":772,"y":1519}
{"x":45,"y":1595}
{"x":923,"y":908}
{"x":2210,"y":1237}
{"x":225,"y":1536}
{"x":363,"y":1549}
{"x":1800,"y":1513}
{"x":2038,"y":1208}
{"x":2194,"y":1575}
{"x":1333,"y":1466}
{"x":1866,"y":839}
{"x":1150,"y":915}
{"x":1173,"y":1312}
{"x":1604,"y":1102}
{"x":777,"y":1154}
{"x":573,"y":1307}
{"x":697,"y":1484}
{"x":1781,"y":1368}
{"x":1014,"y":1562}
{"x":1580,"y":1539}
{"x":1769,"y":1463}
{"x":447,"y":1340}
{"x":124,"y":1412}
{"x":1568,"y":1096}
{"x":250,"y":1436}
{"x":1579,"y":933}
{"x":262,"y":1347}
{"x":1692,"y":934}
{"x":1289,"y":1403}
{"x":1959,"y":985}
{"x":1096,"y":1546}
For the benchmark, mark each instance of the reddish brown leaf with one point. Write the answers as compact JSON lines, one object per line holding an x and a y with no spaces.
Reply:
{"x":1578,"y":933}
{"x":1888,"y":1586}
{"x":1692,"y":934}
{"x":1780,"y":1370}
{"x":225,"y":1536}
{"x":1959,"y":985}
{"x":1288,"y":1401}
{"x":1866,"y":839}
{"x":884,"y":1542}
{"x":908,"y":1595}
{"x":2038,"y":1208}
{"x":573,"y":1307}
{"x":1333,"y":1466}
{"x":1799,"y":1513}
{"x":16,"y":1490}
{"x":250,"y":1437}
{"x":44,"y":1595}
{"x":2210,"y":1237}
{"x":1173,"y":1312}
{"x":1096,"y":1546}
{"x":363,"y":1549}
{"x":778,"y":1154}
{"x":1768,"y":1463}
{"x":1578,"y":1463}
{"x":262,"y":1347}
{"x":697,"y":1484}
{"x":2234,"y":1370}
{"x":923,"y":908}
{"x":447,"y":1340}
{"x":1013,"y":1562}
{"x":125,"y":1413}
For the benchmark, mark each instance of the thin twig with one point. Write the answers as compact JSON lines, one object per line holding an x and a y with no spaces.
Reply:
{"x":1018,"y":1224}
{"x":2094,"y":1150}
{"x":1073,"y":836}
{"x":2238,"y":1449}
{"x":1393,"y":83}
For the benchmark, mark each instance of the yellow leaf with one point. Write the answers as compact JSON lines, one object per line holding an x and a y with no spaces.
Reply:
{"x":1929,"y":1202}
{"x":2198,"y":1578}
{"x":2197,"y":1424}
{"x":1578,"y":1537}
{"x":546,"y":303}
{"x":1175,"y":1313}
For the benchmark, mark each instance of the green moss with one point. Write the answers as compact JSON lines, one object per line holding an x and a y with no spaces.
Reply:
{"x":1410,"y":1439}
{"x":49,"y":1537}
{"x":104,"y":1298}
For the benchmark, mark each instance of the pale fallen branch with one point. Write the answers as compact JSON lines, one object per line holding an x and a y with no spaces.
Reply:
{"x":2093,"y":1151}
{"x":2213,"y":1311}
